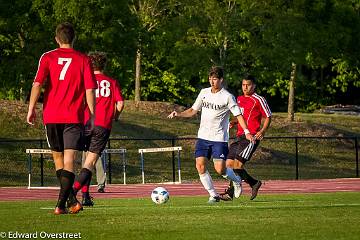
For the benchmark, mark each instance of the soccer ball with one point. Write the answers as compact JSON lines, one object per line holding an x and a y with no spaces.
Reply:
{"x":159,"y":195}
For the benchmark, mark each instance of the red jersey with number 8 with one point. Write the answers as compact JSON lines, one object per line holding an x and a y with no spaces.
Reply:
{"x":107,"y":94}
{"x":66,"y":74}
{"x":254,"y":108}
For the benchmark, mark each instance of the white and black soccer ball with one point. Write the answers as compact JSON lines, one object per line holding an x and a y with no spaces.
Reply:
{"x":159,"y":195}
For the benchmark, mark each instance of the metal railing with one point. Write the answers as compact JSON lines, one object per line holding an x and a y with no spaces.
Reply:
{"x":278,"y":158}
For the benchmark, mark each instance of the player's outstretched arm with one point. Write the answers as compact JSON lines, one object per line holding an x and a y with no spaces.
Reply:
{"x":34,"y":96}
{"x":246,"y":130}
{"x":187,"y":113}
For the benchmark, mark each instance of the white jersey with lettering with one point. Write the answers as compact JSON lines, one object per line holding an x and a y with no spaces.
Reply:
{"x":215,"y":112}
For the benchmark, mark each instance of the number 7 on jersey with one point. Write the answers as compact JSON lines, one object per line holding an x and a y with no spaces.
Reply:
{"x":65,"y":67}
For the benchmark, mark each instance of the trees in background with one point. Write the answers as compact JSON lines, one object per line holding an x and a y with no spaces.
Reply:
{"x":301,"y":51}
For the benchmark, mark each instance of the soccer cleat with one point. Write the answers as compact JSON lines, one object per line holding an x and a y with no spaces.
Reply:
{"x":237,"y":189}
{"x":228,"y":195}
{"x":59,"y":211}
{"x":255,"y":190}
{"x":75,"y":208}
{"x":225,"y":197}
{"x":214,"y":199}
{"x":71,"y":200}
{"x":101,"y":189}
{"x":87,"y":201}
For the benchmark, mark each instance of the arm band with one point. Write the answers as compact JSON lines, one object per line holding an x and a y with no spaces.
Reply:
{"x":246,"y":131}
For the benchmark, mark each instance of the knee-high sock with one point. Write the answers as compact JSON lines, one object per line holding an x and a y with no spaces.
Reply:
{"x":207,"y":182}
{"x":66,"y":180}
{"x":85,"y":188}
{"x":246,"y":177}
{"x":58,"y":174}
{"x":84,"y":176}
{"x":230,"y":175}
{"x":72,"y":194}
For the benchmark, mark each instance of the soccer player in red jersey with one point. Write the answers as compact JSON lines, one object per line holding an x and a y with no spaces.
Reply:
{"x":254,"y":108}
{"x":109,"y":105}
{"x":69,"y":80}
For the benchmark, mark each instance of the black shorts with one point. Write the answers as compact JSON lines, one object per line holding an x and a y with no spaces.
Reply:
{"x":242,"y":149}
{"x":61,"y":136}
{"x":95,"y":140}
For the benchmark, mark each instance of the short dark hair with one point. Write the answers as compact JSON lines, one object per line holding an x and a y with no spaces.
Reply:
{"x":249,"y":78}
{"x":65,"y":33}
{"x":216,"y":71}
{"x":98,"y":60}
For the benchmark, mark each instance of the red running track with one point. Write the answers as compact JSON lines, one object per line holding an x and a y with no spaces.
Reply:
{"x":188,"y":189}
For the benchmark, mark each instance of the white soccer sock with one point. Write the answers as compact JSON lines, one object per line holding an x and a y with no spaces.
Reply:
{"x":230,"y":175}
{"x":207,"y":182}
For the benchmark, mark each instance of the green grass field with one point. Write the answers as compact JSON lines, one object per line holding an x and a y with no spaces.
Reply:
{"x":307,"y":216}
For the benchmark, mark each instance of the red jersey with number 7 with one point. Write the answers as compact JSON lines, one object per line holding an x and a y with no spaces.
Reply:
{"x":107,"y":94}
{"x":66,"y":74}
{"x":254,"y":108}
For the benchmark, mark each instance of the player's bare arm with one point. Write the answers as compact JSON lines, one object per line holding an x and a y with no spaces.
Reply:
{"x":244,"y":126}
{"x":260,"y":134}
{"x":90,"y":100}
{"x":119,"y":108}
{"x":34,"y":96}
{"x":187,"y":113}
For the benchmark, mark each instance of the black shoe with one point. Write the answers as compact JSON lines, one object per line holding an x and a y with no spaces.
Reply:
{"x":255,"y":189}
{"x":225,"y":197}
{"x":88,"y":201}
{"x":101,"y":188}
{"x":228,"y":195}
{"x":71,"y":201}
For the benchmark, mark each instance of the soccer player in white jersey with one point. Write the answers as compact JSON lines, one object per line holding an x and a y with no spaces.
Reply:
{"x":255,"y":109}
{"x":215,"y":104}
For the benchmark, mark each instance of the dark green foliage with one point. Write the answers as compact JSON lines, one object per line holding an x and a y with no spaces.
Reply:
{"x":180,"y":40}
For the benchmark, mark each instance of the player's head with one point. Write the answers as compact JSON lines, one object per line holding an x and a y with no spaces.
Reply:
{"x":216,"y":71}
{"x":98,"y":60}
{"x":65,"y":33}
{"x":216,"y":77}
{"x":248,"y":85}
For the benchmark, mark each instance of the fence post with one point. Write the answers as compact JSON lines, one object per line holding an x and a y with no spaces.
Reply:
{"x":179,"y":165}
{"x":296,"y":158}
{"x":29,"y":170}
{"x":109,"y":163}
{"x":357,"y":156}
{"x":142,"y":167}
{"x":173,"y":160}
{"x":41,"y":165}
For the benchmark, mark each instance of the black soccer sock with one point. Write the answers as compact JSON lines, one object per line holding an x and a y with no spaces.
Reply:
{"x":231,"y":183}
{"x":246,"y":177}
{"x":84,"y":176}
{"x":58,"y":174}
{"x":66,"y":180}
{"x":85,"y":189}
